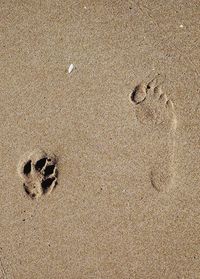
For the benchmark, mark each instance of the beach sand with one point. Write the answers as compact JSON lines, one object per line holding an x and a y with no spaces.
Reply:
{"x":118,"y":135}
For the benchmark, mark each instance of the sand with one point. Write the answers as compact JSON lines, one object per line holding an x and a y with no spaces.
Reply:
{"x":119,"y":134}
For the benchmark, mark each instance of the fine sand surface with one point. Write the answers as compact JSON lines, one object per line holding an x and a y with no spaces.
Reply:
{"x":99,"y":173}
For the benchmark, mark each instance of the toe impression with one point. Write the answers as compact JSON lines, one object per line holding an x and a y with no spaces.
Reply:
{"x":139,"y":93}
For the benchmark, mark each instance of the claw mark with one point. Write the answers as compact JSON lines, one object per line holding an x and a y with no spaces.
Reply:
{"x":152,"y":182}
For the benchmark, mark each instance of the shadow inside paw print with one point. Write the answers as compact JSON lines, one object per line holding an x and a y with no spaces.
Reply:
{"x":27,"y":168}
{"x":40,"y":164}
{"x":39,"y":173}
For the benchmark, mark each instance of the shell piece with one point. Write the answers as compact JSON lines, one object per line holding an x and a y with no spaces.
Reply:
{"x":70,"y":69}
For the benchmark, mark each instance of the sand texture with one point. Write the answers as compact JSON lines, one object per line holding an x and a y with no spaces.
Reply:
{"x":100,"y":139}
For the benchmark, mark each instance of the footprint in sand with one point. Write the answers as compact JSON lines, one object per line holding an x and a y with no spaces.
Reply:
{"x":157,"y":120}
{"x":39,"y":172}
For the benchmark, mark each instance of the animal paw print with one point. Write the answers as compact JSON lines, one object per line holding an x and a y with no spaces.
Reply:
{"x":39,"y":173}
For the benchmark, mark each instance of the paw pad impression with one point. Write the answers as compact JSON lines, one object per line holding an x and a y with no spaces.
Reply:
{"x":39,"y":173}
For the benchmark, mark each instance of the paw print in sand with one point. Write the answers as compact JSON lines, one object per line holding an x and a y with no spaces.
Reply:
{"x":39,"y":172}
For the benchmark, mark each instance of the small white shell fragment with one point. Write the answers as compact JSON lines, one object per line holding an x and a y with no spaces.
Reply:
{"x":70,"y":69}
{"x":181,"y":26}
